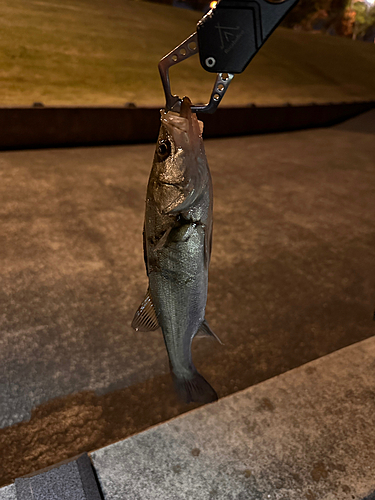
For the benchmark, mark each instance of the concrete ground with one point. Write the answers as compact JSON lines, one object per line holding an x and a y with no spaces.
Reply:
{"x":305,"y":435}
{"x":291,"y":280}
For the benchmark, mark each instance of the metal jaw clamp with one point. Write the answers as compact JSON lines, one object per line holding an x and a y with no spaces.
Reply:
{"x":186,"y":49}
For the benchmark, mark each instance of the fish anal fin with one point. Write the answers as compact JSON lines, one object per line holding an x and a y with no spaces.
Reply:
{"x":205,"y":331}
{"x":145,"y":318}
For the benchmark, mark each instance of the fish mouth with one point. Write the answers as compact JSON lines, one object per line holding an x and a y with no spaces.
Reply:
{"x":184,"y":121}
{"x":174,"y":121}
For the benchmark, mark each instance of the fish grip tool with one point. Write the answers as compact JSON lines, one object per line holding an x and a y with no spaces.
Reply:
{"x":227,"y":39}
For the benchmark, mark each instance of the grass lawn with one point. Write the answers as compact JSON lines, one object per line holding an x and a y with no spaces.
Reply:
{"x":105,"y":52}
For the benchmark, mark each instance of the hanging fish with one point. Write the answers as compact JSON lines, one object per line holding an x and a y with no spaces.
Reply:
{"x":177,"y":247}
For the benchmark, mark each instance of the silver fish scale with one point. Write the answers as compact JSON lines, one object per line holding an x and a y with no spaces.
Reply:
{"x":177,"y":244}
{"x":179,"y":292}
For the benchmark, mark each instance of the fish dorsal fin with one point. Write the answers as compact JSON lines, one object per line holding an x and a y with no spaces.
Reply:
{"x":145,"y":319}
{"x":205,"y":331}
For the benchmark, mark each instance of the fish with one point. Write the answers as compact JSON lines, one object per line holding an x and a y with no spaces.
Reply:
{"x":177,"y":241}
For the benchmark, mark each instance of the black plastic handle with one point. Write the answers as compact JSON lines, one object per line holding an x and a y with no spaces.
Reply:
{"x":231,"y":34}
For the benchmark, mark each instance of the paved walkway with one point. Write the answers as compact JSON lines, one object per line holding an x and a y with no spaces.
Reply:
{"x":291,"y":280}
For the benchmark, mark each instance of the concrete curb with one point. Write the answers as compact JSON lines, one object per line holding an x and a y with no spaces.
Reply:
{"x":8,"y":492}
{"x":73,"y":479}
{"x":42,"y":127}
{"x":307,"y":434}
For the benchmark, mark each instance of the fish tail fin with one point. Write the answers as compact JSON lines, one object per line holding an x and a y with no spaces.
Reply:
{"x":195,"y":389}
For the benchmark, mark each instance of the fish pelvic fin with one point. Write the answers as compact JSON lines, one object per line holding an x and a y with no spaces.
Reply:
{"x":145,"y":318}
{"x":205,"y":331}
{"x":195,"y":389}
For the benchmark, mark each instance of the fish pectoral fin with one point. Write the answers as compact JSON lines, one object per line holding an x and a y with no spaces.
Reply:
{"x":163,"y":240}
{"x":145,"y":318}
{"x":205,"y":331}
{"x":184,"y":232}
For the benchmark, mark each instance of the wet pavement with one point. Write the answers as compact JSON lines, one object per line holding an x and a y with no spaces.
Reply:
{"x":291,"y":279}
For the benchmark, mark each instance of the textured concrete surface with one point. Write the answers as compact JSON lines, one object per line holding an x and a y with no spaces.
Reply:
{"x":8,"y":493}
{"x":291,"y":280}
{"x":307,"y":434}
{"x":71,"y":480}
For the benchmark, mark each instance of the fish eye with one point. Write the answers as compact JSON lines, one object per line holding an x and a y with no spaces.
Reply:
{"x":164,"y":149}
